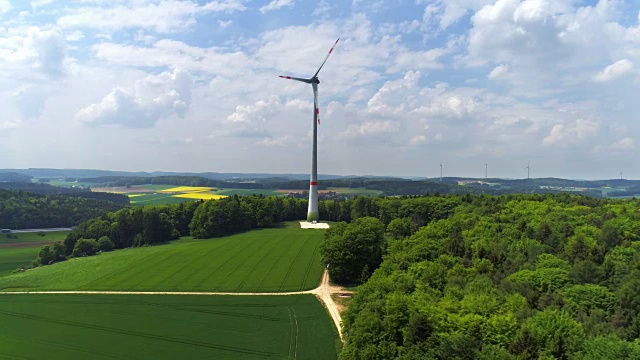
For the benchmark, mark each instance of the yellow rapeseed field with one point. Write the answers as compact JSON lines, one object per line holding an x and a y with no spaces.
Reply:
{"x":190,"y":189}
{"x":134,"y":195}
{"x":199,"y":195}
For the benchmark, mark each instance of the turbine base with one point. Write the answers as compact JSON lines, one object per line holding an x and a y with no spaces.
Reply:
{"x":313,"y":216}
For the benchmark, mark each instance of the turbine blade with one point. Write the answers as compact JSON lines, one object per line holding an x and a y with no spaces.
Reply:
{"x":325,"y":59}
{"x":308,"y":81}
{"x":316,"y":108}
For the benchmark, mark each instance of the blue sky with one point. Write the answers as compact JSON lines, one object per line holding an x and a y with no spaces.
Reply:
{"x":192,"y":86}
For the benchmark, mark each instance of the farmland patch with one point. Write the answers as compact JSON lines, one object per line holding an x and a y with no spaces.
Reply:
{"x":267,"y":260}
{"x":165,"y":327}
{"x":200,"y":195}
{"x":186,"y":189}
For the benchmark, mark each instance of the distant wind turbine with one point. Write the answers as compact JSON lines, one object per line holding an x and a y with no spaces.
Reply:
{"x":620,"y":175}
{"x":312,"y":212}
{"x":485,"y":171}
{"x":440,"y":172}
{"x":528,"y":167}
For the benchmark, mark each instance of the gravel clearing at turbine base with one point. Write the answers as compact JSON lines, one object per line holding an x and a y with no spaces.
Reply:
{"x":165,"y":327}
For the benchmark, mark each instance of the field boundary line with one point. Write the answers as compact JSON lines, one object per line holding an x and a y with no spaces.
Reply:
{"x":115,"y":292}
{"x":295,"y":317}
{"x":290,"y":333}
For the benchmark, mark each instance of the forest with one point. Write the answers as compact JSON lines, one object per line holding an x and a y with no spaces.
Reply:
{"x":20,"y":209}
{"x":508,"y":277}
{"x":178,"y":180}
{"x":46,"y":189}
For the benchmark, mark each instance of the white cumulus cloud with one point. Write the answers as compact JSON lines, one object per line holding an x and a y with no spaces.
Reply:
{"x":5,"y":6}
{"x":276,"y":4}
{"x":165,"y":16}
{"x":623,"y":145}
{"x":563,"y":135}
{"x":140,"y":106}
{"x":614,"y":70}
{"x":416,"y":140}
{"x":369,"y":128}
{"x":499,"y":72}
{"x":44,"y":50}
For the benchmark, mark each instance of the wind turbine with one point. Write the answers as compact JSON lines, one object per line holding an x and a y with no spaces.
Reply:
{"x":440,"y":172}
{"x":312,"y":212}
{"x":485,"y":171}
{"x":528,"y":167}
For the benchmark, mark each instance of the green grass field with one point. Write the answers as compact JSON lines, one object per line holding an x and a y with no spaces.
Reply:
{"x":165,"y":327}
{"x":268,"y":260}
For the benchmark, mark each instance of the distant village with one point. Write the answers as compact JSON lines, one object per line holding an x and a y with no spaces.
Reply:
{"x":322,"y":195}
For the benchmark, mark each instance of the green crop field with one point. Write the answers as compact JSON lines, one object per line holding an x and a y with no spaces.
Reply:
{"x":33,"y":237}
{"x":154,"y":187}
{"x":13,"y":258}
{"x":356,"y":191}
{"x":267,"y":260}
{"x":156,"y":199}
{"x":248,"y":192}
{"x":165,"y":327}
{"x":22,"y":250}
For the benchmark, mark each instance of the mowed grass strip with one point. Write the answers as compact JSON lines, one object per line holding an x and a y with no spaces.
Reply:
{"x":267,"y":260}
{"x":165,"y":327}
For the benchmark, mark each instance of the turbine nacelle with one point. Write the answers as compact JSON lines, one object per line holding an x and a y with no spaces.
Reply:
{"x":314,"y":78}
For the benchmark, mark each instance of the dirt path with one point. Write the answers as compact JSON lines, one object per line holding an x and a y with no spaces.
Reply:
{"x":323,"y":292}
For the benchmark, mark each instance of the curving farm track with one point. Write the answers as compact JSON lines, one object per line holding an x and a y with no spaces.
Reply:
{"x":323,"y":292}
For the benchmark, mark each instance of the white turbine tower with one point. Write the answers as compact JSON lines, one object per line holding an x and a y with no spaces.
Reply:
{"x":312,"y":212}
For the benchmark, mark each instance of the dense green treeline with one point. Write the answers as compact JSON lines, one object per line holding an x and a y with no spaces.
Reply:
{"x":239,"y":213}
{"x":19,"y":210}
{"x":14,"y":177}
{"x":630,"y":191}
{"x":153,"y":224}
{"x":510,"y":277}
{"x":420,"y":209}
{"x":46,"y":189}
{"x":168,"y":180}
